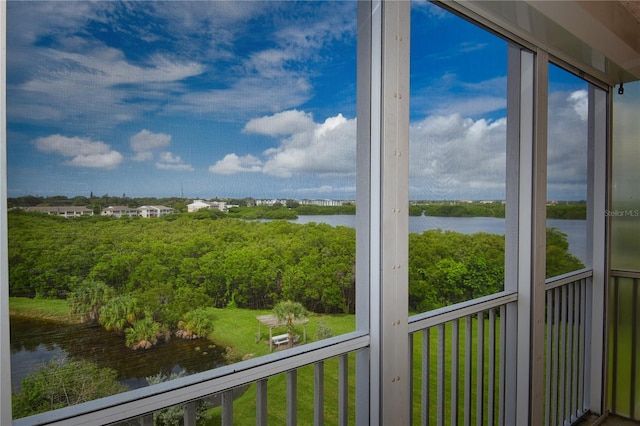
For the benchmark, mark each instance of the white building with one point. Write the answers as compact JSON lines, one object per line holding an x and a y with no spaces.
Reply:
{"x":119,"y":211}
{"x":64,"y":211}
{"x":211,"y":205}
{"x":154,"y":211}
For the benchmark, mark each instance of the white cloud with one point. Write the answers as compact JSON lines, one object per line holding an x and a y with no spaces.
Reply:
{"x":282,"y":123}
{"x":84,"y":152}
{"x":580,"y":103}
{"x":453,"y":157}
{"x":145,"y":142}
{"x":232,"y":164}
{"x":306,"y":147}
{"x":169,"y":161}
{"x":326,"y":149}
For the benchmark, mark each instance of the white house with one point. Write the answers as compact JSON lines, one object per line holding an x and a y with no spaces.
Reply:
{"x":211,"y":205}
{"x":119,"y":211}
{"x":154,"y":211}
{"x":64,"y":211}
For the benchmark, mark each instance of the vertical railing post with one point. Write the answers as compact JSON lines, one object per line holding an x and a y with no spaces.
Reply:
{"x":227,"y":408}
{"x":189,"y":416}
{"x":261,"y":402}
{"x":343,"y":390}
{"x":292,"y":398}
{"x":318,"y":394}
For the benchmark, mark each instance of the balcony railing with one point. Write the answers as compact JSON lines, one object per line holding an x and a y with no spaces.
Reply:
{"x":460,"y":370}
{"x":461,"y":374}
{"x":138,"y":406}
{"x":568,"y":327}
{"x":458,"y":362}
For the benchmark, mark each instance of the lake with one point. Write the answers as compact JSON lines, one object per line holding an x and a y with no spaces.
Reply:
{"x":38,"y":341}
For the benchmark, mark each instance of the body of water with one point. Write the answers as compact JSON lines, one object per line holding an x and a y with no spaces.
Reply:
{"x":36,"y":341}
{"x":576,"y":230}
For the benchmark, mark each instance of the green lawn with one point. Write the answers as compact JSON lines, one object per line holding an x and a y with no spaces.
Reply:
{"x":46,"y":309}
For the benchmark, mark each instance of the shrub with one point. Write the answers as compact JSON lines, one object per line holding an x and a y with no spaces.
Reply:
{"x":61,"y":383}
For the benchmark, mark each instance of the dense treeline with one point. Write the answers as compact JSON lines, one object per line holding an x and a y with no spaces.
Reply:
{"x":204,"y":259}
{"x":251,"y":264}
{"x":96,"y":203}
{"x":576,"y":210}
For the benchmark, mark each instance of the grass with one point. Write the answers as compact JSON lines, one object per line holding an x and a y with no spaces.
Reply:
{"x":44,"y":309}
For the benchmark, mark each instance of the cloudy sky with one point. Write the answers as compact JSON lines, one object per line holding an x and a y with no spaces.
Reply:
{"x":247,"y":98}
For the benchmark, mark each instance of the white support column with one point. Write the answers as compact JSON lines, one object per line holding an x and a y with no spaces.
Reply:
{"x":515,"y":77}
{"x":538,"y":228}
{"x":368,"y":201}
{"x":394,"y":201}
{"x":382,"y":216}
{"x":598,"y":178}
{"x":5,"y":364}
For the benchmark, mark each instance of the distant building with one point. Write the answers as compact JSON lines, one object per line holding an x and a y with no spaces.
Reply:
{"x":211,"y":205}
{"x":154,"y":211}
{"x":324,"y":202}
{"x":119,"y":211}
{"x":64,"y":211}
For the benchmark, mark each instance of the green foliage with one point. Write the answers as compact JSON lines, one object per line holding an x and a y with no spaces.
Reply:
{"x":567,"y":211}
{"x":559,"y":260}
{"x":119,"y":313}
{"x":263,"y":212}
{"x":173,"y":267}
{"x":142,"y":334}
{"x":310,"y":209}
{"x":290,"y":312}
{"x":323,"y":331}
{"x":196,"y":324}
{"x":61,"y":383}
{"x":450,"y":209}
{"x":88,"y":298}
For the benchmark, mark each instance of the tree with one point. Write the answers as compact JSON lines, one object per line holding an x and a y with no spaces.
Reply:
{"x":61,"y":383}
{"x":142,"y":334}
{"x":289,"y":312}
{"x":88,"y":298}
{"x":196,"y":324}
{"x":119,"y":312}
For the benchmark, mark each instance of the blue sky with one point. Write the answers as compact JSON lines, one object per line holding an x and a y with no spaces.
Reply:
{"x":248,"y":98}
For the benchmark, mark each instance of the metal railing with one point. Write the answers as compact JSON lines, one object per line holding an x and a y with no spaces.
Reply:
{"x":459,"y":357}
{"x":624,"y":344}
{"x":458,"y":362}
{"x":458,"y":374}
{"x":137,"y":407}
{"x":568,"y":326}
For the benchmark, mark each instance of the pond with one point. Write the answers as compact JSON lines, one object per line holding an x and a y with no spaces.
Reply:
{"x":38,"y":341}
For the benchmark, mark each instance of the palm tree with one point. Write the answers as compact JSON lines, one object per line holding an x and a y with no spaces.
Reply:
{"x":88,"y":298}
{"x":289,"y":311}
{"x":196,"y":324}
{"x":119,"y":312}
{"x":143,"y":334}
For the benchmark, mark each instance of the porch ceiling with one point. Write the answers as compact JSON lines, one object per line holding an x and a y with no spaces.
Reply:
{"x":601,"y":37}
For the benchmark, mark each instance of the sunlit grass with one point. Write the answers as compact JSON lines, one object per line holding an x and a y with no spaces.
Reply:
{"x":44,"y":309}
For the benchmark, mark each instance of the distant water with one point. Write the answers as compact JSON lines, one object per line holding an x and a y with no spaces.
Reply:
{"x":576,"y":230}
